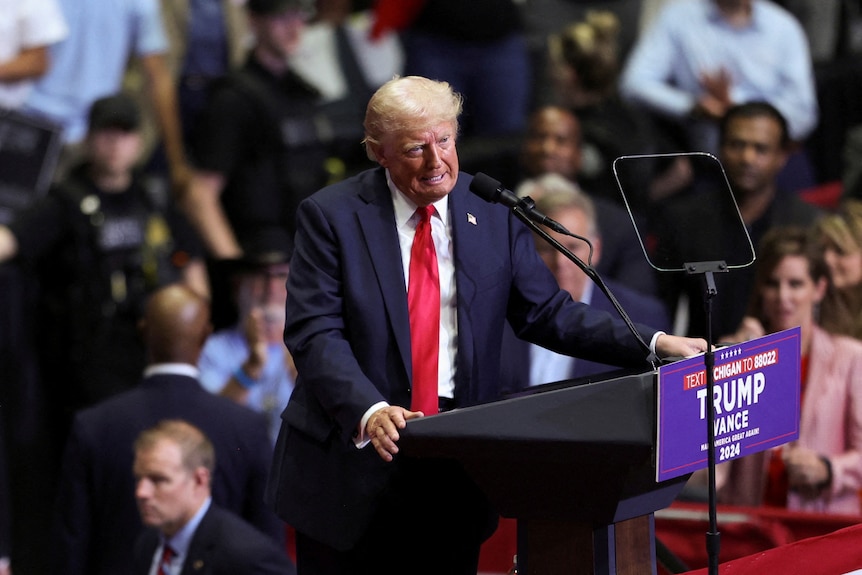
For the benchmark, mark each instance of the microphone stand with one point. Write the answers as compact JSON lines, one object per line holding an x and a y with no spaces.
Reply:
{"x":519,"y":211}
{"x":713,"y":536}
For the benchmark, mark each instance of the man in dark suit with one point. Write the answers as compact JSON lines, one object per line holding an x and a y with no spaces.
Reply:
{"x":96,"y":520}
{"x":189,"y":534}
{"x":361,"y":508}
{"x":525,"y":364}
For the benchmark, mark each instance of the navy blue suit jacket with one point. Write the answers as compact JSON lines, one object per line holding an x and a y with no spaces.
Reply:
{"x":348,"y":330}
{"x":223,"y":544}
{"x":515,"y":366}
{"x":97,"y":518}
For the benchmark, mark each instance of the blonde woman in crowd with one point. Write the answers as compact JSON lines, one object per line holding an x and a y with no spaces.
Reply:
{"x":840,"y":236}
{"x":584,"y":67}
{"x":822,"y":470}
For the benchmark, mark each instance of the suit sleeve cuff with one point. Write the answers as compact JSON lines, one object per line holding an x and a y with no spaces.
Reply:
{"x":653,"y":341}
{"x":359,"y":438}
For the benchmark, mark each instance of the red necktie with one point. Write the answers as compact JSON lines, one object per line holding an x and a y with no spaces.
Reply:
{"x":423,"y":302}
{"x":165,"y":563}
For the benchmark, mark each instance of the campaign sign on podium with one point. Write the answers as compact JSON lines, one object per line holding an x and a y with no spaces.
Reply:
{"x":756,"y":398}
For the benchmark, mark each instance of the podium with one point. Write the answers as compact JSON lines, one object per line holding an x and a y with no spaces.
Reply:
{"x":573,"y":462}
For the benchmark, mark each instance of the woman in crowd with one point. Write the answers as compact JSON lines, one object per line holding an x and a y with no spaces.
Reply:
{"x":584,"y":68}
{"x":822,"y":470}
{"x":840,"y":236}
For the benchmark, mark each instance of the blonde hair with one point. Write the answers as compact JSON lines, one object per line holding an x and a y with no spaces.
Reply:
{"x":409,"y":103}
{"x":197,"y":450}
{"x":785,"y":241}
{"x":842,"y":230}
{"x":590,"y":48}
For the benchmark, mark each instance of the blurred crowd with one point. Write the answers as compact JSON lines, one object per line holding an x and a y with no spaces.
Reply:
{"x":186,"y":132}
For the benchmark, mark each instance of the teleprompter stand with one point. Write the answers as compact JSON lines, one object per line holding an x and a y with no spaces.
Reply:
{"x":573,"y":463}
{"x":702,"y":235}
{"x":707,"y":271}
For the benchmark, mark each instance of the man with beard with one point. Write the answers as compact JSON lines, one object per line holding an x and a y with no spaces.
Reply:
{"x":754,"y":147}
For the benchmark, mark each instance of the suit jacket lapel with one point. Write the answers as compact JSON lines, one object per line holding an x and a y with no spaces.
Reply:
{"x":469,"y":256}
{"x":467,"y":240}
{"x":377,"y":221}
{"x":145,"y":548}
{"x":199,"y":554}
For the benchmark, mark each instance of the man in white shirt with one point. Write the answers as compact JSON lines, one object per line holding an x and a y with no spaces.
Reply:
{"x":26,"y":30}
{"x":700,"y":57}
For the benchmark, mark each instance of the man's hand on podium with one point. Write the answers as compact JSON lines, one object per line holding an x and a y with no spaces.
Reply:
{"x":382,"y":429}
{"x":678,"y":346}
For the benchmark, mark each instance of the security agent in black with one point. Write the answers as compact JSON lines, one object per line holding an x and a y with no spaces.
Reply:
{"x":267,"y":139}
{"x":98,"y":243}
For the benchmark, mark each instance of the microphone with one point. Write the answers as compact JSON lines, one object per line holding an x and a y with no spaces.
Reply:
{"x":493,"y":191}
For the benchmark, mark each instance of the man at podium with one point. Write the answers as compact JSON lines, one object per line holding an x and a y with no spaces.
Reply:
{"x":400,"y":284}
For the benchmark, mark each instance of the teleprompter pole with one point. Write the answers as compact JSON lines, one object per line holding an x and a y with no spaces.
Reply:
{"x":707,"y":271}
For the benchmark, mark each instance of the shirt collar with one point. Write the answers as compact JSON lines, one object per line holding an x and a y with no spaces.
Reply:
{"x":715,"y":15}
{"x":182,"y":539}
{"x":587,"y":294}
{"x":172,"y":369}
{"x":405,"y":208}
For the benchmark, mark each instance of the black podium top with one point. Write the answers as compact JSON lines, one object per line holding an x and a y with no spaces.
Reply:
{"x":567,"y":451}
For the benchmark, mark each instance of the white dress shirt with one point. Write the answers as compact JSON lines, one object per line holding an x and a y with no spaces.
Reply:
{"x":441,"y":233}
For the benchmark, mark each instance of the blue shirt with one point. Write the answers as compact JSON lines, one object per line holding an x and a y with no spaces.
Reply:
{"x":546,"y":365}
{"x":180,"y":542}
{"x":91,"y":61}
{"x":227,"y":350}
{"x":767,"y":60}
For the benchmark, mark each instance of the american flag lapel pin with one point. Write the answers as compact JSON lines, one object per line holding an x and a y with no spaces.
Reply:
{"x":471,"y":219}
